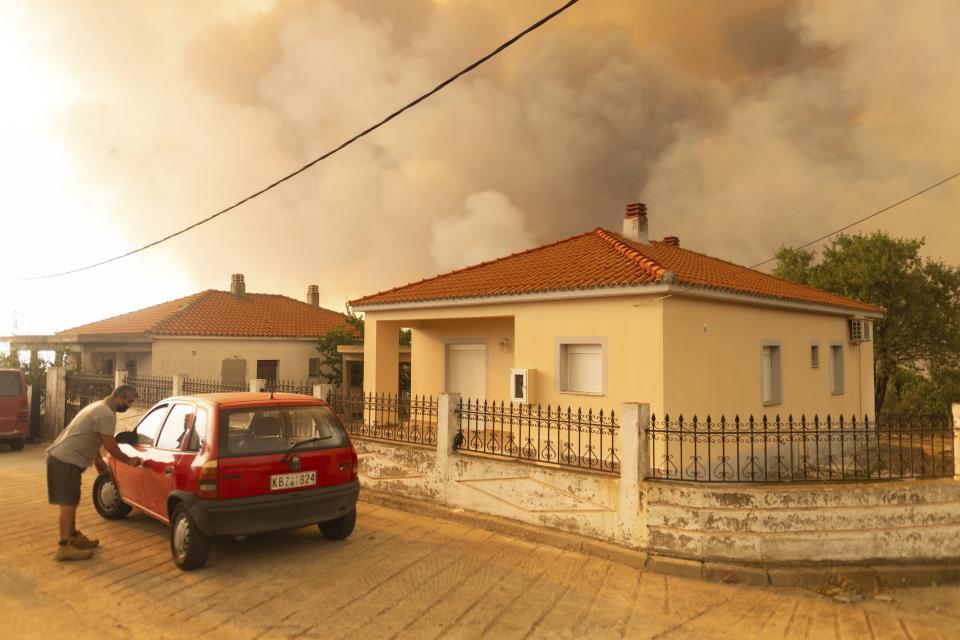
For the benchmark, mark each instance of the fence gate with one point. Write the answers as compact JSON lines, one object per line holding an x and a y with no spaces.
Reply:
{"x":38,"y":395}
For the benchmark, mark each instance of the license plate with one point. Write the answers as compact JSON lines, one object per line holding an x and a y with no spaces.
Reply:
{"x":293,"y":480}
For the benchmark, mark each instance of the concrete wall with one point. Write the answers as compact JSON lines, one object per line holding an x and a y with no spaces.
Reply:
{"x":712,"y":362}
{"x":203,"y":357}
{"x":882,"y":521}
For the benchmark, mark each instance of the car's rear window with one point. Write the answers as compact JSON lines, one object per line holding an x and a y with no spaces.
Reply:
{"x":262,"y":430}
{"x":10,"y":384}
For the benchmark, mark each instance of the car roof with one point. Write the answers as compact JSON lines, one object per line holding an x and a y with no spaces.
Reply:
{"x":247,"y":399}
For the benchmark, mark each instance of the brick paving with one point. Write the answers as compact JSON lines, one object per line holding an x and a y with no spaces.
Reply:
{"x":399,"y":576}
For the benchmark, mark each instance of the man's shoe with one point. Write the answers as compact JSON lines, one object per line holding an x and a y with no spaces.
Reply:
{"x":69,"y":552}
{"x":81,"y":541}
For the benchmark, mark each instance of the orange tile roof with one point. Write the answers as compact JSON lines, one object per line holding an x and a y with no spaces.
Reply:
{"x":603,"y":259}
{"x":220,"y":313}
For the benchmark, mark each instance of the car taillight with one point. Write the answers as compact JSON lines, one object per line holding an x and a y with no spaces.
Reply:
{"x":355,"y":469}
{"x":22,"y":410}
{"x":207,"y":487}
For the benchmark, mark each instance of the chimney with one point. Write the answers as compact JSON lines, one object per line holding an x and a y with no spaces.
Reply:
{"x":313,"y":295}
{"x":635,"y":222}
{"x":237,"y":286}
{"x":673,"y":241}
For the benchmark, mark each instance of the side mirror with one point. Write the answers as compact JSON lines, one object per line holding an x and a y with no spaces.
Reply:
{"x":126,"y":437}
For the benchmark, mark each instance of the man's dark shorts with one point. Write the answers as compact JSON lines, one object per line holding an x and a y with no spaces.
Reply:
{"x":63,"y":482}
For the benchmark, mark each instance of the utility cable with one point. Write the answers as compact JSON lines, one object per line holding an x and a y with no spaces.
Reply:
{"x":533,"y":27}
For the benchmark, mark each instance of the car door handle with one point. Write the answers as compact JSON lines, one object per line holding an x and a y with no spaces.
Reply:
{"x":168,"y":470}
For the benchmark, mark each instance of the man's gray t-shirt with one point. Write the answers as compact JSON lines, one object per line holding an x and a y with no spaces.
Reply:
{"x":80,"y":441}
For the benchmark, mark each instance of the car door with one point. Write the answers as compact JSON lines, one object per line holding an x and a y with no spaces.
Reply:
{"x":162,"y":461}
{"x":130,"y":479}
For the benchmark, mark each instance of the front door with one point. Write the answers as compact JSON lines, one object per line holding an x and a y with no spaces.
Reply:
{"x":164,"y":460}
{"x":129,"y":479}
{"x":467,"y":370}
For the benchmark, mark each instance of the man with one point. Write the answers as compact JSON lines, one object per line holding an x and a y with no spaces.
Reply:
{"x":72,"y":452}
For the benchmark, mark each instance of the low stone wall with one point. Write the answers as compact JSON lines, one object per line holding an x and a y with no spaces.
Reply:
{"x":899,"y":521}
{"x":584,"y":503}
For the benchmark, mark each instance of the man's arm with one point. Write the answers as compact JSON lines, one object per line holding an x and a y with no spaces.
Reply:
{"x":110,"y":444}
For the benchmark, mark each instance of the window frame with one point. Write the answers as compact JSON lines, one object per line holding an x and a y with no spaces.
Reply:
{"x":776,"y":395}
{"x":561,"y":343}
{"x":814,"y":349}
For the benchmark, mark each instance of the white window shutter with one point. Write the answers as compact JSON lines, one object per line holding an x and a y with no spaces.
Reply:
{"x":584,"y":364}
{"x":467,"y":370}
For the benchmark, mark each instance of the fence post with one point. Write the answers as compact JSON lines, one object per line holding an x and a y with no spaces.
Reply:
{"x":56,"y":401}
{"x":322,"y":390}
{"x":956,"y":440}
{"x":635,"y":464}
{"x":119,"y":378}
{"x":178,"y":380}
{"x":257,"y":385}
{"x":447,"y":428}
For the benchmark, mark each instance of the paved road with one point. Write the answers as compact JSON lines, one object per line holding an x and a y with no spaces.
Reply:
{"x":398,"y":576}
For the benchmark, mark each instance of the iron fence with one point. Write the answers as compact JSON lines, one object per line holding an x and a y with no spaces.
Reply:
{"x":304,"y":387}
{"x":382,"y":416}
{"x":894,"y":446}
{"x":84,"y":388}
{"x":151,"y":389}
{"x":197,"y":385}
{"x":584,"y":440}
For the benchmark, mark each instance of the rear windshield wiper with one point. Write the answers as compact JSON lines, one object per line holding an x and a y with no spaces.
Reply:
{"x":299,"y":443}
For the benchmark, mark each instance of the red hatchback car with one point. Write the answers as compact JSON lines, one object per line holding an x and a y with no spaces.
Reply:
{"x":233,"y":464}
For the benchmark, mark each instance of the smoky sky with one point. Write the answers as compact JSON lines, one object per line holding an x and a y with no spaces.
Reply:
{"x":744,"y":126}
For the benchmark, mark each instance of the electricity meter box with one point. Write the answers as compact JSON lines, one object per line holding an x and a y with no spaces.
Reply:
{"x":521,"y":385}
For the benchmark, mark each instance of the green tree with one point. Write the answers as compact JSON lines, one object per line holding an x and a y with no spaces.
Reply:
{"x":331,"y":364}
{"x":917,"y":342}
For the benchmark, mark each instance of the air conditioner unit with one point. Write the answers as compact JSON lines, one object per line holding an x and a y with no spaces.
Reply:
{"x":861,"y":330}
{"x":521,"y":385}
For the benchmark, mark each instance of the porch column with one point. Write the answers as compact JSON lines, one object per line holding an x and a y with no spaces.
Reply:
{"x":381,"y":356}
{"x":634,"y":465}
{"x":119,"y":377}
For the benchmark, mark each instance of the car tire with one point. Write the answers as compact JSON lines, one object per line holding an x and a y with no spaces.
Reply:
{"x":16,"y":445}
{"x":340,"y":528}
{"x":188,"y":545}
{"x":106,"y":498}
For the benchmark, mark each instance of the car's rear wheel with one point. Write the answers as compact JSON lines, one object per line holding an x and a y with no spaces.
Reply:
{"x":16,"y":445}
{"x":340,"y":528}
{"x":106,"y":498}
{"x":188,"y":546}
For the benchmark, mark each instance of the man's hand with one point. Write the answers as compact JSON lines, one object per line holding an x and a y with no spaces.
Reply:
{"x":134,"y":461}
{"x":100,"y":465}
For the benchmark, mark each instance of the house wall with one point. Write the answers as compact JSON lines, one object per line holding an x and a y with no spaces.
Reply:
{"x":631,"y":328}
{"x":712,"y":364}
{"x":203,"y":357}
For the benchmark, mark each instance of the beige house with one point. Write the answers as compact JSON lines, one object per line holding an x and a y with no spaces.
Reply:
{"x":604,"y":318}
{"x":230,"y":336}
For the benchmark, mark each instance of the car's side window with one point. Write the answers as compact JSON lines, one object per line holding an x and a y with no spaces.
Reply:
{"x":198,"y":436}
{"x":147,"y":429}
{"x":175,"y":427}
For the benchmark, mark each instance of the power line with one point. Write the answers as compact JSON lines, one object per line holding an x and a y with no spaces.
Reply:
{"x":832,"y":233}
{"x":533,"y":27}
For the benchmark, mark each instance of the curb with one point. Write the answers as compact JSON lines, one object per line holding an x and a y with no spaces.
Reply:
{"x":836,"y":580}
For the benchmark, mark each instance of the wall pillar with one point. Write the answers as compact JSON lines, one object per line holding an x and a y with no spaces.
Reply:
{"x":956,"y":440}
{"x":323,"y":390}
{"x":381,"y":356}
{"x":447,"y":429}
{"x":178,"y":380}
{"x":258,"y":385}
{"x":56,"y":402}
{"x":119,"y":378}
{"x":634,"y":465}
